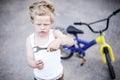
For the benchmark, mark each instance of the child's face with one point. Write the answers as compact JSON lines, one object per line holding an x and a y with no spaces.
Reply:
{"x":42,"y":25}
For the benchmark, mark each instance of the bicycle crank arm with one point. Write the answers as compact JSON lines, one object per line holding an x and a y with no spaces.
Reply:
{"x":83,"y":61}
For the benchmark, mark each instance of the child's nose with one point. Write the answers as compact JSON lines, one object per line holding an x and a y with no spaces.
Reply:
{"x":42,"y":27}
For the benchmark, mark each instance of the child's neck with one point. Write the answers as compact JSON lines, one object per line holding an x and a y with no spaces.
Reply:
{"x":41,"y":36}
{"x":41,"y":40}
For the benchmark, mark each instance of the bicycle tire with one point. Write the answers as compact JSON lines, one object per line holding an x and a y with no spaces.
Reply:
{"x":66,"y":53}
{"x":109,"y":64}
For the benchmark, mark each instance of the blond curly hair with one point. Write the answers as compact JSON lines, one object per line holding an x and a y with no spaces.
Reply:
{"x":42,"y":8}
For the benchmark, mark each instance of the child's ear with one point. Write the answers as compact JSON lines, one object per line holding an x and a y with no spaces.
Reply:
{"x":31,"y":21}
{"x":52,"y":22}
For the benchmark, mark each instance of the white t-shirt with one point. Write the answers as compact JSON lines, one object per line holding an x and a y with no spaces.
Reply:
{"x":52,"y":62}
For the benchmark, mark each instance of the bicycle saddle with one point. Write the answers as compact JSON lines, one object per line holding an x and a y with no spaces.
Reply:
{"x":73,"y":30}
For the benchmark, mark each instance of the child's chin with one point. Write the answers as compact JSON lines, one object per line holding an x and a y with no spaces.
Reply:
{"x":42,"y":34}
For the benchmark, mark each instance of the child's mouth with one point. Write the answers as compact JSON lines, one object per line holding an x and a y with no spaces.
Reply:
{"x":42,"y":32}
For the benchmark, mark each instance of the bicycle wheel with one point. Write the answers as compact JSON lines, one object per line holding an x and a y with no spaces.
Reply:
{"x":110,"y":67}
{"x":66,"y":53}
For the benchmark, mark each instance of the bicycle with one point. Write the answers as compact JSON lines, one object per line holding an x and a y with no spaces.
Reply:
{"x":105,"y":50}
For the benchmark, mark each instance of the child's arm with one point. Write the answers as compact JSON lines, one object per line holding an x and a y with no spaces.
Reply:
{"x":61,"y":39}
{"x":30,"y":58}
{"x":66,"y":40}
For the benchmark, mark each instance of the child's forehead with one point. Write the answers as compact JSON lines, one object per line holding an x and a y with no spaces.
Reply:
{"x":42,"y":17}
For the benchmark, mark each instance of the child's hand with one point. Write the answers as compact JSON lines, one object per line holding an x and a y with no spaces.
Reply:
{"x":39,"y":64}
{"x":54,"y":45}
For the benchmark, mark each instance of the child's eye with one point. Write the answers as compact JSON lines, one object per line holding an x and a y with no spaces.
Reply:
{"x":46,"y":24}
{"x":39,"y":24}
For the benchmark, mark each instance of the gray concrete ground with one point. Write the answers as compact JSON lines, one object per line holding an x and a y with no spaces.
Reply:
{"x":15,"y":27}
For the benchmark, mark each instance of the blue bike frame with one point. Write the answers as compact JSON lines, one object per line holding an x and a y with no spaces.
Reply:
{"x":79,"y":48}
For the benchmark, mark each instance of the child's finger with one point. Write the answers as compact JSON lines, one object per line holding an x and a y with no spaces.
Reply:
{"x":48,"y":49}
{"x":39,"y":62}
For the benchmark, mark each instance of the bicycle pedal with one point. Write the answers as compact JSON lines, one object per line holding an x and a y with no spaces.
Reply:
{"x":83,"y":62}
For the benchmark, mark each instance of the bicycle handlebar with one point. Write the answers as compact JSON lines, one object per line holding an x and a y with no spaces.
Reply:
{"x":117,"y":11}
{"x":106,"y":19}
{"x":81,"y":23}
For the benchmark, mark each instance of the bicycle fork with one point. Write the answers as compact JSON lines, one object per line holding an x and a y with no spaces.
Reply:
{"x":101,"y":39}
